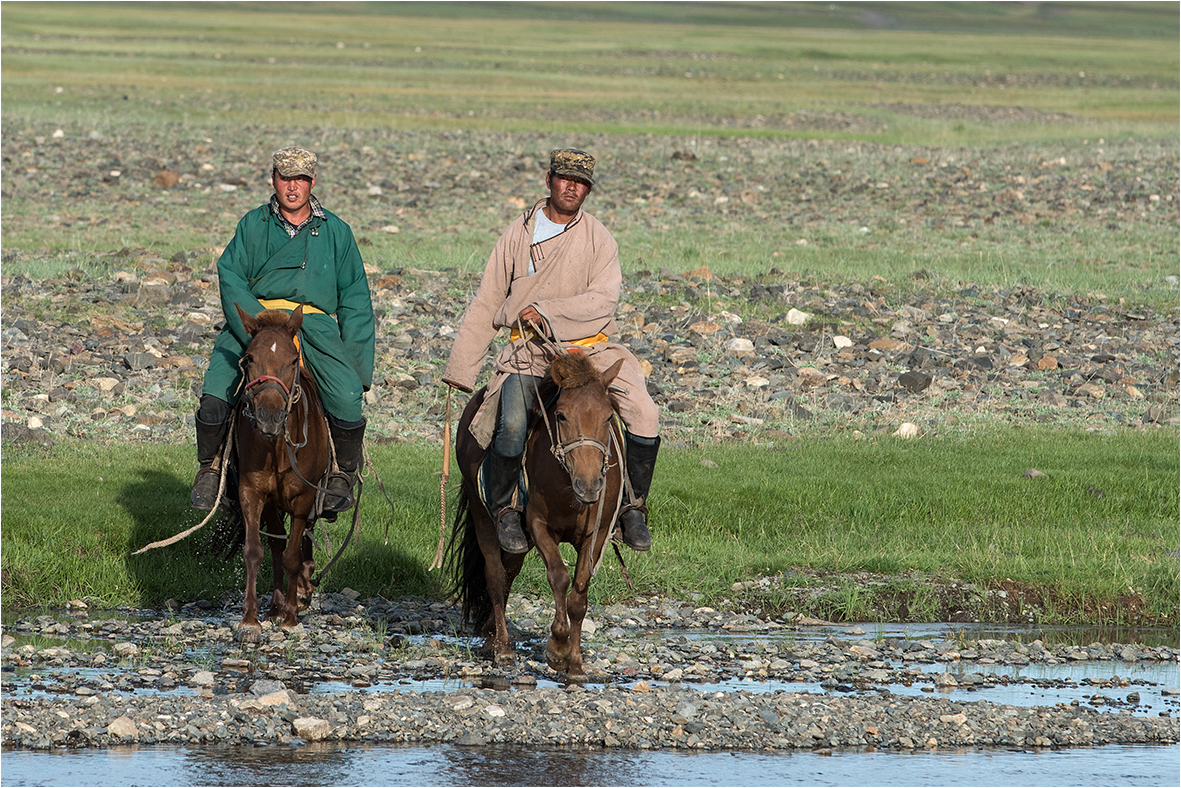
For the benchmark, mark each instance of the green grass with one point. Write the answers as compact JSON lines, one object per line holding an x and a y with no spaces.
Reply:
{"x":920,"y":122}
{"x":952,"y":508}
{"x":576,"y":68}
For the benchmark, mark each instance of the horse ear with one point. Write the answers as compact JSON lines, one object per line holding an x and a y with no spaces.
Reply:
{"x":248,"y":322}
{"x":295,"y":321}
{"x":611,"y":372}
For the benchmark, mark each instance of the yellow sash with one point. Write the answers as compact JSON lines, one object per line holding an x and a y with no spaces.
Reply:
{"x":514,"y":335}
{"x":283,"y":303}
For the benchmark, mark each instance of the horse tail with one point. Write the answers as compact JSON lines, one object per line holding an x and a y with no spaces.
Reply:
{"x":464,"y":563}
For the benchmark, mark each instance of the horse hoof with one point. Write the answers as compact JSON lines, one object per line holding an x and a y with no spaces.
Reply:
{"x":504,"y":660}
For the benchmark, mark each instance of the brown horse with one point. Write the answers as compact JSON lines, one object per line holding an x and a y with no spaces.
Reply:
{"x":283,"y":454}
{"x":575,"y":473}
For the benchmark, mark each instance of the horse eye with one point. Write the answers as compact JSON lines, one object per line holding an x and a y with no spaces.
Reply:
{"x":560,"y":416}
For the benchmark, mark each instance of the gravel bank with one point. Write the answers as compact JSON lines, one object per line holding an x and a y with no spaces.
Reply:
{"x":179,"y":677}
{"x":765,"y":359}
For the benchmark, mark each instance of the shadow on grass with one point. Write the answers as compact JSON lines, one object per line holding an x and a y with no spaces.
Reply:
{"x":208,"y":563}
{"x":190,"y":569}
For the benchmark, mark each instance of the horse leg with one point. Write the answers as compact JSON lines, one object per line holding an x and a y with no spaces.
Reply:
{"x":273,"y":523}
{"x":294,"y":564}
{"x":557,"y":648}
{"x":576,"y":608}
{"x":249,"y":628}
{"x":499,"y":572}
{"x":303,"y":586}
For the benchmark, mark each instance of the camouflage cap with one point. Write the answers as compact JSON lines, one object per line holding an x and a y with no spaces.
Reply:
{"x":573,"y":163}
{"x":293,"y":161}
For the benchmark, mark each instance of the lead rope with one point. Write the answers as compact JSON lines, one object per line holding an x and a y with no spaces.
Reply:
{"x":221,"y":488}
{"x":443,"y":476}
{"x":612,"y":440}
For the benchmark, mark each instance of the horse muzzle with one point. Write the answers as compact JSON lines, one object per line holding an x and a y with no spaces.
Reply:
{"x":588,"y":491}
{"x":269,"y":422}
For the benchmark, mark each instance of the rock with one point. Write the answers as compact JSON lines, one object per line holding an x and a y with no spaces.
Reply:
{"x":265,"y":686}
{"x":914,"y":382}
{"x":283,"y":697}
{"x":311,"y":728}
{"x":810,"y":376}
{"x":166,"y":179}
{"x":907,"y":430}
{"x":797,"y":318}
{"x":1034,"y":473}
{"x":740,"y":346}
{"x":123,"y":728}
{"x":945,"y":680}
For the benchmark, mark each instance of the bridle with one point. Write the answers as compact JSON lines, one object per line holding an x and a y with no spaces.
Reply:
{"x":560,"y":448}
{"x":291,"y":394}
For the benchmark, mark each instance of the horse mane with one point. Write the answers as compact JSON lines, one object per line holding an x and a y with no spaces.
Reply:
{"x":573,"y":370}
{"x":272,"y":318}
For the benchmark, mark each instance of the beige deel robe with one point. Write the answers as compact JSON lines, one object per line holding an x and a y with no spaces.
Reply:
{"x":575,"y":287}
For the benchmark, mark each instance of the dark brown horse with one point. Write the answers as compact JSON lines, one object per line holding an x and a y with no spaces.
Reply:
{"x":575,"y":473}
{"x":283,"y":453}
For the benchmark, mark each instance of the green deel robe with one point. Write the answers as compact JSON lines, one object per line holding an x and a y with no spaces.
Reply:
{"x":320,"y":266}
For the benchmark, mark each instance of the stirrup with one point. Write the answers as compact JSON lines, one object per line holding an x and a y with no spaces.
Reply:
{"x":633,"y":522}
{"x":335,"y":498}
{"x":510,"y":531}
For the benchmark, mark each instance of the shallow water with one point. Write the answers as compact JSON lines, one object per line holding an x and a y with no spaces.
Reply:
{"x":452,"y":765}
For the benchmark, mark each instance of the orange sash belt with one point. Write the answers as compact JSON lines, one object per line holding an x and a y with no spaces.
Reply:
{"x":514,"y":335}
{"x":283,"y":303}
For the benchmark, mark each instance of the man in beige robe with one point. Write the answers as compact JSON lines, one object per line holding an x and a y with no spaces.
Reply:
{"x":556,"y":267}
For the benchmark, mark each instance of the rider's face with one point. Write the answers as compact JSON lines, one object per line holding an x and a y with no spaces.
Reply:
{"x":566,"y":194}
{"x":293,"y":192}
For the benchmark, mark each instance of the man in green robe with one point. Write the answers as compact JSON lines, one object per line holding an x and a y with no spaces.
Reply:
{"x":285,"y":253}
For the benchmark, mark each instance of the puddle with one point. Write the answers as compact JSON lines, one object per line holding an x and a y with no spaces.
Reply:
{"x":1103,"y":685}
{"x":872,"y":630}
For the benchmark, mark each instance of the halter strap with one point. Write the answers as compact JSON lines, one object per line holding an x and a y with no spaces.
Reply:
{"x":264,"y":378}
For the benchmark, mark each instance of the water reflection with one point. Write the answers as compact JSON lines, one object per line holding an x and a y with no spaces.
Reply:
{"x":492,"y":765}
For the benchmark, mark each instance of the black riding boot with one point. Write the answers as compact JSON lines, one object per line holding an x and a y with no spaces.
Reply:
{"x":633,"y":517}
{"x":501,"y":475}
{"x":348,"y":438}
{"x":211,"y":434}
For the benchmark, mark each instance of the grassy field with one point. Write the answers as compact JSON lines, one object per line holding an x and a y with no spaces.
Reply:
{"x":994,"y":143}
{"x":924,"y":513}
{"x":578,"y":69}
{"x":985,"y":142}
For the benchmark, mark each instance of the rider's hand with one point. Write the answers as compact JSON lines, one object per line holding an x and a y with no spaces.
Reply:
{"x":530,"y":315}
